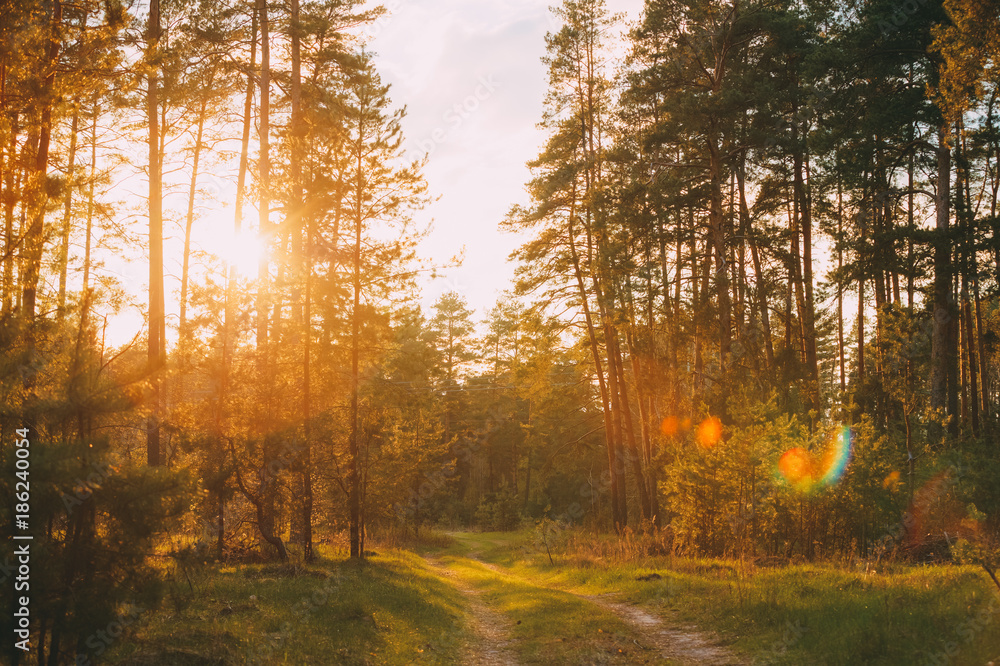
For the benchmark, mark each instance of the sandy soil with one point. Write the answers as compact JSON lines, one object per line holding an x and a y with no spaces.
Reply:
{"x":678,"y":643}
{"x":492,"y":644}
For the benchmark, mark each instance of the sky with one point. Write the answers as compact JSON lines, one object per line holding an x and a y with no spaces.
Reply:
{"x":471,"y":77}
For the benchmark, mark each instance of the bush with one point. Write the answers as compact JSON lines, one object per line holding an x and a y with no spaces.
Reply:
{"x":499,"y":512}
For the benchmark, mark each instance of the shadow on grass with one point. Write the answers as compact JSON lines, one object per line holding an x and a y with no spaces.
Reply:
{"x":389,"y":610}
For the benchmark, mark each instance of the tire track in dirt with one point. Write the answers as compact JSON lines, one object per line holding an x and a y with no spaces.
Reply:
{"x":493,"y":645}
{"x":683,"y":644}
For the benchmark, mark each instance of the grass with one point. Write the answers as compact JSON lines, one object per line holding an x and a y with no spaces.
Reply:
{"x":550,"y":626}
{"x":805,"y":613}
{"x":391,"y":610}
{"x":400,"y":608}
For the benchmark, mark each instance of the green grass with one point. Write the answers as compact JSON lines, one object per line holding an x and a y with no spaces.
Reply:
{"x":391,"y":610}
{"x":550,"y":626}
{"x":817,"y":614}
{"x":399,"y":609}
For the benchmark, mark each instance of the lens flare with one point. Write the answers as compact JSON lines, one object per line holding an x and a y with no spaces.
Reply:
{"x":837,"y":455}
{"x":805,"y":471}
{"x":796,"y":465}
{"x":709,"y":432}
{"x":925,"y":507}
{"x":670,"y":426}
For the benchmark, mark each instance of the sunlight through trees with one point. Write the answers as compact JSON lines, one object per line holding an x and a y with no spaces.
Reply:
{"x":756,"y":312}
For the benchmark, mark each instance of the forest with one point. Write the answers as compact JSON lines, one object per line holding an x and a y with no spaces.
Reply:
{"x":756,"y":314}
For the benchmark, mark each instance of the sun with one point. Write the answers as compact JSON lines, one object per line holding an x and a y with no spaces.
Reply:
{"x":244,"y":252}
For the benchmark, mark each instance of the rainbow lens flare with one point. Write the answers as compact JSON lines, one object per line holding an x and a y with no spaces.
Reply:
{"x":837,"y":455}
{"x":804,"y":471}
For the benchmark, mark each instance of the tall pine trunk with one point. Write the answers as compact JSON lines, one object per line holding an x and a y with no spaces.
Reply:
{"x":267,"y":509}
{"x":156,"y":349}
{"x":354,"y":446}
{"x":182,"y":327}
{"x":66,"y":229}
{"x":807,"y":310}
{"x":229,"y":324}
{"x":301,"y":252}
{"x":942,"y":337}
{"x":609,"y":438}
{"x":718,"y":238}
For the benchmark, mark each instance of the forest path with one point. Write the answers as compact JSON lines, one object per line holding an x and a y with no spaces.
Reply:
{"x":684,"y":644}
{"x":493,"y":645}
{"x":556,"y":625}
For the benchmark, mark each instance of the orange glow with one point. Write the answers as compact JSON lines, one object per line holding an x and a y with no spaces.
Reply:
{"x":891,"y":481}
{"x":807,"y":471}
{"x":670,"y":426}
{"x":709,"y":432}
{"x":796,"y":465}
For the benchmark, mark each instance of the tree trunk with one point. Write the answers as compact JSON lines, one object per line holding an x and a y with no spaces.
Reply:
{"x":265,"y":521}
{"x":795,"y":273}
{"x":609,"y":438}
{"x":840,"y":289}
{"x":156,"y":350}
{"x":85,"y":289}
{"x":969,"y":268}
{"x":67,"y":210}
{"x":942,"y":350}
{"x":36,"y":195}
{"x":8,"y":160}
{"x":762,"y":306}
{"x":718,"y":236}
{"x":264,"y":175}
{"x":807,"y":313}
{"x":983,"y":376}
{"x":648,"y":486}
{"x":861,"y":331}
{"x":306,"y":476}
{"x":354,"y":480}
{"x":182,"y":327}
{"x":229,"y":323}
{"x":301,"y":256}
{"x":268,"y":493}
{"x":635,"y":459}
{"x":228,"y":332}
